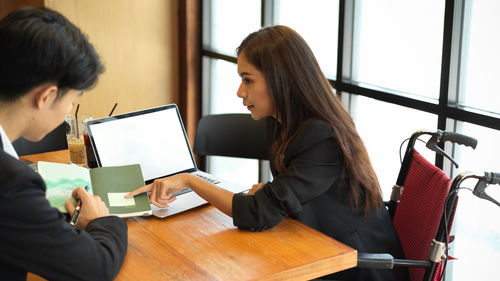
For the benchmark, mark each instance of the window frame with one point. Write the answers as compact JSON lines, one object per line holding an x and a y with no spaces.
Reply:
{"x":446,"y":107}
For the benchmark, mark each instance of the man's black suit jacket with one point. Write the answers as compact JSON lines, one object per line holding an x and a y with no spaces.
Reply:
{"x":34,"y":237}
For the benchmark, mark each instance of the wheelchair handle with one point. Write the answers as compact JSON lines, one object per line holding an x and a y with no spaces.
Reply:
{"x":492,"y":178}
{"x":442,"y":136}
{"x":480,"y":188}
{"x":458,"y":138}
{"x":481,"y":185}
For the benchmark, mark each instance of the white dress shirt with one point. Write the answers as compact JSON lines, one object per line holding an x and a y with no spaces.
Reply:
{"x":7,"y":145}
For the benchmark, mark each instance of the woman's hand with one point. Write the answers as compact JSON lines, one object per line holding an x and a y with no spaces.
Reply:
{"x":255,"y":188}
{"x":92,"y":207}
{"x":162,"y":189}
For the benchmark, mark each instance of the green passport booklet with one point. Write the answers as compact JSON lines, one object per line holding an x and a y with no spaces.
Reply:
{"x":109,"y":183}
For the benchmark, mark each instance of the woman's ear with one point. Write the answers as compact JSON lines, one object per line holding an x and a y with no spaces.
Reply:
{"x":45,"y":96}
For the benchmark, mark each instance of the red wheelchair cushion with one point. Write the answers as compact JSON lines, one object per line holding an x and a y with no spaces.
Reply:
{"x":419,"y":211}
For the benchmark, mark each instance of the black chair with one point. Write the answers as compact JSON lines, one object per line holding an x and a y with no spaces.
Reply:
{"x":55,"y":140}
{"x":233,"y":135}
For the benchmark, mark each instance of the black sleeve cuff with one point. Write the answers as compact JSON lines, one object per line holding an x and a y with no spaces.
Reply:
{"x":253,"y":212}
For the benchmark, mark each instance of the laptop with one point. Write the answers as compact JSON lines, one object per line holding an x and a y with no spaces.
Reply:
{"x":156,"y":139}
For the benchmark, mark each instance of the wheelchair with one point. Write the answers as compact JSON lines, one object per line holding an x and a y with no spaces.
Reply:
{"x":422,"y":207}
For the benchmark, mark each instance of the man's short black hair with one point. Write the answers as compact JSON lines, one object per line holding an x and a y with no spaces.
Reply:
{"x":39,"y":45}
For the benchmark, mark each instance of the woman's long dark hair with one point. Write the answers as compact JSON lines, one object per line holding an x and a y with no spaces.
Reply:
{"x":300,"y":91}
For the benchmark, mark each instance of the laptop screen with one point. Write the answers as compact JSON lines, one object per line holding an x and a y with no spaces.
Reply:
{"x":154,"y":138}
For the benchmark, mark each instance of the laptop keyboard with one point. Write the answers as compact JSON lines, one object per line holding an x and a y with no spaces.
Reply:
{"x":208,"y":179}
{"x":187,"y":189}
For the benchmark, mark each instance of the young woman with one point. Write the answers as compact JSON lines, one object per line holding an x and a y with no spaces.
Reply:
{"x":322,"y":174}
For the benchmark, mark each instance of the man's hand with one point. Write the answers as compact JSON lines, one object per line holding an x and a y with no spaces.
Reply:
{"x":92,"y":207}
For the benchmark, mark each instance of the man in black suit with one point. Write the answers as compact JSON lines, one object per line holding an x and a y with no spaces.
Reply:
{"x":46,"y":63}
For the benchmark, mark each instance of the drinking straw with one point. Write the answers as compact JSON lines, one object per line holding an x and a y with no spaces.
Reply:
{"x":76,"y":121}
{"x":113,"y":109}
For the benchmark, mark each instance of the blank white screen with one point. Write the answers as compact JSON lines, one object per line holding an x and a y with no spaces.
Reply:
{"x":154,"y":140}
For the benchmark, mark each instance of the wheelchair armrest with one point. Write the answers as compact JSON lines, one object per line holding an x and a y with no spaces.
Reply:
{"x":376,"y":261}
{"x":387,"y":261}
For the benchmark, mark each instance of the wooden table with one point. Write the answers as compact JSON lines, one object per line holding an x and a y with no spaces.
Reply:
{"x":203,"y":244}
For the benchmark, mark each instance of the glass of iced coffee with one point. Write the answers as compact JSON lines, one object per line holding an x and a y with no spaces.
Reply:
{"x":75,"y":138}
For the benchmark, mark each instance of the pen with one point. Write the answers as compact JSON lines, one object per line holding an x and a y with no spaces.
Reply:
{"x":76,"y":213}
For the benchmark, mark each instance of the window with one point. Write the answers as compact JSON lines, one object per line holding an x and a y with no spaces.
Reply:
{"x":477,"y":242}
{"x":383,"y":127}
{"x":223,"y":84}
{"x":393,"y":50}
{"x":476,"y":235}
{"x":317,"y":22}
{"x":480,"y":58}
{"x":228,"y":23}
{"x":398,"y":44}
